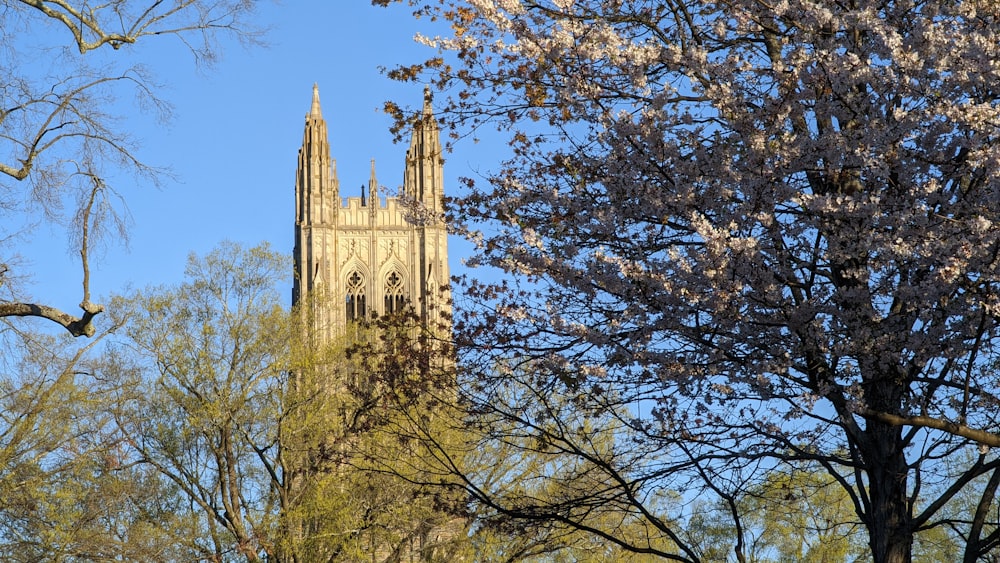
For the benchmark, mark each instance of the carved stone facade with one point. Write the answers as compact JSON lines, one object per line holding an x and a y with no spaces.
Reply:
{"x":372,"y":255}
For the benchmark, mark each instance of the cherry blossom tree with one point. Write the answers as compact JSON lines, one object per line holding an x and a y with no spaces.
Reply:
{"x":768,"y":228}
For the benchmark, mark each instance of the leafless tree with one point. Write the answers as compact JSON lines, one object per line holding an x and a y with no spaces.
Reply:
{"x":63,"y":69}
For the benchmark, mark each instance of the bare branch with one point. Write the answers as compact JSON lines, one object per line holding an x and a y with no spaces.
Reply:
{"x":962,"y":431}
{"x":77,"y":326}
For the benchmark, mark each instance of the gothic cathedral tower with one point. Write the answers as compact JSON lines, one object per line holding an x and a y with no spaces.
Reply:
{"x":355,"y":258}
{"x":359,"y":257}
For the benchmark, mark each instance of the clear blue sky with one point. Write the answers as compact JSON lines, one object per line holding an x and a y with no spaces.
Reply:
{"x":233,"y":138}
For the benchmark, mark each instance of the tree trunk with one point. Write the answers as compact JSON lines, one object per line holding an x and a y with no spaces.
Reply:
{"x":889,"y":516}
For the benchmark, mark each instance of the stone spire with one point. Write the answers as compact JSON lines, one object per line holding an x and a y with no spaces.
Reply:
{"x":423,"y":179}
{"x":314,"y":111}
{"x":373,"y":202}
{"x":316,"y":203}
{"x":428,"y":110}
{"x":361,"y":252}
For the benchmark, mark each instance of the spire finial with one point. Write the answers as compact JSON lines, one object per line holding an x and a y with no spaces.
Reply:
{"x":373,"y":189}
{"x":428,"y":110}
{"x":314,"y":111}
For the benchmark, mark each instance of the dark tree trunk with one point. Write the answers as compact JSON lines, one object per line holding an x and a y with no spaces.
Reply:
{"x":889,"y":516}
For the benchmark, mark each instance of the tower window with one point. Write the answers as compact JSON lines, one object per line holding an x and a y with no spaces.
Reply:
{"x":393,"y":292}
{"x":355,"y":296}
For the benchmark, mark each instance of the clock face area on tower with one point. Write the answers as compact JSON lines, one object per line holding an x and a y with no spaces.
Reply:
{"x":360,"y":256}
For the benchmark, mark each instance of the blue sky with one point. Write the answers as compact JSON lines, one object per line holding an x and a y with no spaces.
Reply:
{"x":231,"y":144}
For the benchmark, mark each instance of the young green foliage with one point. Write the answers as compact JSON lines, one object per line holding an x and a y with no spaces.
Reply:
{"x":199,"y":377}
{"x":357,"y":489}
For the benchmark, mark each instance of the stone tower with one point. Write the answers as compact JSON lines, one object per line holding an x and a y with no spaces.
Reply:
{"x":357,"y":257}
{"x":362,"y":258}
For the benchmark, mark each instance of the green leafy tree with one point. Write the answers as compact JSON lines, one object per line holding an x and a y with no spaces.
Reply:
{"x":795,"y":514}
{"x":70,"y":490}
{"x":358,"y":485}
{"x":268,"y":438}
{"x":200,"y":378}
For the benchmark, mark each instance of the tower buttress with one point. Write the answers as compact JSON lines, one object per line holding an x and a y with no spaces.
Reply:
{"x":317,"y":201}
{"x":423,"y":184}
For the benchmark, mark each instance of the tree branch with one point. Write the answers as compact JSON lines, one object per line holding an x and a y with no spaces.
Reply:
{"x":77,"y":326}
{"x":979,"y":436}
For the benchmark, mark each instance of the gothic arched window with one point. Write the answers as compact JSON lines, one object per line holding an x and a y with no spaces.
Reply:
{"x":394,"y":298}
{"x":355,"y":296}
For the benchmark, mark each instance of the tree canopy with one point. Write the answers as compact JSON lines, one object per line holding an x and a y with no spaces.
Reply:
{"x":765,"y":230}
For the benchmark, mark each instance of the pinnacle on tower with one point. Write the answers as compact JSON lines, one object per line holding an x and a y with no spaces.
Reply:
{"x":316,"y":195}
{"x":314,"y":111}
{"x":423,"y":177}
{"x":428,"y":109}
{"x":373,"y":188}
{"x":335,"y":239}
